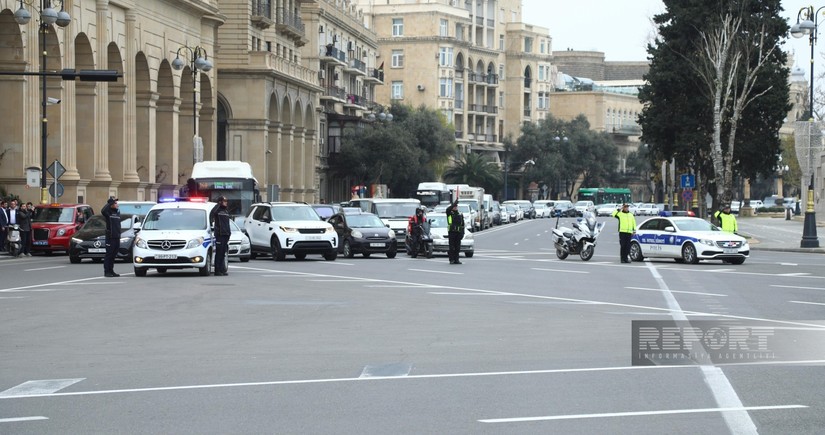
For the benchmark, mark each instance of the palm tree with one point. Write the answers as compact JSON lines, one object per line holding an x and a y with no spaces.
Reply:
{"x":475,"y":170}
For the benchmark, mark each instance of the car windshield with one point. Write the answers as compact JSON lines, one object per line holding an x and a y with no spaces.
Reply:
{"x":138,"y":209}
{"x":364,"y":221}
{"x":694,"y":225}
{"x":294,"y":213}
{"x":175,"y":219}
{"x":464,"y":208}
{"x":396,"y":209}
{"x":438,"y":221}
{"x":324,"y":211}
{"x":234,"y":227}
{"x":511,"y":208}
{"x":582,"y":203}
{"x":54,"y":214}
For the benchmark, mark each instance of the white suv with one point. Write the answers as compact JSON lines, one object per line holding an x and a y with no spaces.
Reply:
{"x":175,"y":235}
{"x":281,"y":228}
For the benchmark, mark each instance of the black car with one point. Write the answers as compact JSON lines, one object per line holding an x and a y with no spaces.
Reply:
{"x":564,"y":209}
{"x":363,"y":233}
{"x":90,"y":241}
{"x":325,"y":211}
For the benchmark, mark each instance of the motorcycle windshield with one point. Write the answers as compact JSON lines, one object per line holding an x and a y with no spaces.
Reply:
{"x":590,"y":219}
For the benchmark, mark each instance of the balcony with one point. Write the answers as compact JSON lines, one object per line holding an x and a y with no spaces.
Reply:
{"x":334,"y":93}
{"x":476,"y":108}
{"x":626,"y":129}
{"x":291,"y":25}
{"x":261,"y":14}
{"x":332,"y":54}
{"x":375,"y":75}
{"x":357,"y":67}
{"x":490,"y":138}
{"x":491,"y":79}
{"x":491,"y":109}
{"x":282,"y":66}
{"x":459,"y":74}
{"x":357,"y":101}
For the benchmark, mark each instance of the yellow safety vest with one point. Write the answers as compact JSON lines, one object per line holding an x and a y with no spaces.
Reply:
{"x":727,"y":221}
{"x":627,"y":222}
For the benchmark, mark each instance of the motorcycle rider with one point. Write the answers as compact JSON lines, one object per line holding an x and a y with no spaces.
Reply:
{"x":455,"y":231}
{"x":415,"y":228}
{"x":627,"y":227}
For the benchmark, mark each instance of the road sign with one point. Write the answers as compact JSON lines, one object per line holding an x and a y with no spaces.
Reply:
{"x":56,"y":170}
{"x":687,"y":181}
{"x":56,"y":189}
{"x":687,"y":195}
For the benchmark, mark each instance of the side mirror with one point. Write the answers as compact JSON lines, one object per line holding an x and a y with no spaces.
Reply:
{"x":670,"y":229}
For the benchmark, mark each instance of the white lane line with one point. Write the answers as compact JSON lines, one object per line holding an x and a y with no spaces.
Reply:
{"x":339,"y":263}
{"x":794,"y":274}
{"x":467,"y":294}
{"x":43,"y":268}
{"x":16,"y":419}
{"x":12,"y":297}
{"x":28,"y":287}
{"x":45,"y":386}
{"x":739,"y":422}
{"x":639,"y":413}
{"x":436,"y":271}
{"x":788,"y":264}
{"x":558,"y":270}
{"x":399,"y":286}
{"x":807,"y":303}
{"x":674,"y":291}
{"x":798,"y":287}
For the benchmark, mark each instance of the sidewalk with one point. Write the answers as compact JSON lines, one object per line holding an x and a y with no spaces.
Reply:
{"x":768,"y":233}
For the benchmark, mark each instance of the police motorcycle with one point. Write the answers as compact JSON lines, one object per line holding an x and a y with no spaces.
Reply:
{"x":425,"y":241}
{"x":581,"y":240}
{"x":13,"y":241}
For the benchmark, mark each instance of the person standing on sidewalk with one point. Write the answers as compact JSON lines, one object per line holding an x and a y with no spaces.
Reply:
{"x":4,"y":222}
{"x":726,"y":219}
{"x":627,"y":227}
{"x":455,"y":232}
{"x":219,"y":218}
{"x":24,"y":219}
{"x":111,"y":212}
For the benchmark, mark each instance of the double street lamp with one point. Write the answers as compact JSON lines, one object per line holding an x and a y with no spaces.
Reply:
{"x":48,"y":17}
{"x":807,"y":23}
{"x":198,"y":61}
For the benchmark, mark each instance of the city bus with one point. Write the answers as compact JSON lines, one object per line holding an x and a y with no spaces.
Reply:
{"x":603,"y":195}
{"x":231,"y":179}
{"x":431,"y":194}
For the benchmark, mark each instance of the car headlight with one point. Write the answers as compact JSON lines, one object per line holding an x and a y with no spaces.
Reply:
{"x":391,"y":234}
{"x":140,"y":243}
{"x":329,"y":229}
{"x":707,"y":242}
{"x":357,"y":234}
{"x":61,"y":232}
{"x":468,"y":235}
{"x":124,"y":240}
{"x":76,"y":240}
{"x":288,"y":229}
{"x":194,"y":243}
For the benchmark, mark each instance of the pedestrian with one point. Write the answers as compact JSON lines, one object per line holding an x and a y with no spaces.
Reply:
{"x":219,"y":218}
{"x":4,"y":222}
{"x":726,"y":219}
{"x":455,"y":232}
{"x":24,"y":220}
{"x":627,"y":227}
{"x":111,"y":212}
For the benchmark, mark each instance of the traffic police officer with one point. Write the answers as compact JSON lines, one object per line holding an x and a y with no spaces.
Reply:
{"x":111,"y":212}
{"x":219,"y":217}
{"x":726,"y":219}
{"x":455,"y":232}
{"x":627,"y":227}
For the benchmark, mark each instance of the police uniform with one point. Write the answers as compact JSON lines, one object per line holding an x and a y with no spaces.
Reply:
{"x":455,"y":232}
{"x":627,"y":226}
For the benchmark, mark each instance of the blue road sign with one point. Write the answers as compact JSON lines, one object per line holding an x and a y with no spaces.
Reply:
{"x":688,"y":181}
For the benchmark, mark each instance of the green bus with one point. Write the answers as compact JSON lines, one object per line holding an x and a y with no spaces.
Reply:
{"x":603,"y":195}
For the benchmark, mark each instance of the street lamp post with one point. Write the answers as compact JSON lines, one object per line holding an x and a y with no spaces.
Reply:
{"x":198,"y":61}
{"x":48,"y":16}
{"x":807,"y":23}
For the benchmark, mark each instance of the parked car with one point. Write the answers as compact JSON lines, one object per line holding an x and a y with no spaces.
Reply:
{"x":496,"y":213}
{"x":526,"y":206}
{"x":564,"y":209}
{"x":542,"y":209}
{"x":441,"y":243}
{"x":54,"y":225}
{"x":363,"y":233}
{"x":90,"y":240}
{"x":584,"y":206}
{"x":505,"y":215}
{"x":607,"y":209}
{"x":688,"y":240}
{"x":647,"y":209}
{"x":512,"y":212}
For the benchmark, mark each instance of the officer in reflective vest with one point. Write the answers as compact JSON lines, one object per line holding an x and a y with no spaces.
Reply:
{"x":627,"y":227}
{"x":726,"y":219}
{"x":455,"y":232}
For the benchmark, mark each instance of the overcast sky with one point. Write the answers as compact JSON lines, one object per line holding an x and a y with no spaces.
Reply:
{"x":621,"y":28}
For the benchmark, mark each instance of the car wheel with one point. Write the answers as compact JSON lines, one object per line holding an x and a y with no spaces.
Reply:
{"x":331,"y":256}
{"x":162,"y":270}
{"x":391,"y":254}
{"x":636,"y":252}
{"x":206,"y":270}
{"x":275,"y":248}
{"x":140,"y":271}
{"x":561,"y":254}
{"x":74,"y":259}
{"x":301,"y":256}
{"x":736,"y":260}
{"x":252,"y":255}
{"x":348,"y":249}
{"x":469,"y":254}
{"x":689,"y":253}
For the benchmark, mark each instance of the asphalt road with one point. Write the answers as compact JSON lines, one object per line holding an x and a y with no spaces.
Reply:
{"x":512,"y":341}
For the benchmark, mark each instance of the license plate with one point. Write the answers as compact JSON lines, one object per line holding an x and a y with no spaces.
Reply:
{"x":97,"y":250}
{"x":313,"y":237}
{"x":166,"y":256}
{"x":376,"y":245}
{"x":730,"y":250}
{"x":41,"y":242}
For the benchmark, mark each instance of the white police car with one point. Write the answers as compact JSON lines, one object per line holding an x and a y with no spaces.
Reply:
{"x":688,"y":240}
{"x":175,"y":234}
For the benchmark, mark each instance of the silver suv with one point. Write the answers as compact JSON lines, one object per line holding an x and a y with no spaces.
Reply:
{"x":289,"y":228}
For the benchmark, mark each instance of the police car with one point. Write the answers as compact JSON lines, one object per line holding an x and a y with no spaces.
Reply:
{"x":688,"y":240}
{"x":175,"y":234}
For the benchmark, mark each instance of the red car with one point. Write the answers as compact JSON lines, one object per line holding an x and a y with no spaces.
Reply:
{"x":53,"y":225}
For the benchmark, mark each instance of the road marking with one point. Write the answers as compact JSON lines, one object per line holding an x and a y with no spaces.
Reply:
{"x":468,"y":294}
{"x":640,"y":413}
{"x":28,"y":287}
{"x":13,"y":420}
{"x":12,"y":297}
{"x":339,"y":263}
{"x":436,"y":271}
{"x":43,"y":268}
{"x":386,"y":370}
{"x":798,"y":287}
{"x":45,"y":386}
{"x":807,"y":303}
{"x":559,"y":270}
{"x":794,"y":274}
{"x":788,"y":264}
{"x":399,"y":286}
{"x":674,"y":291}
